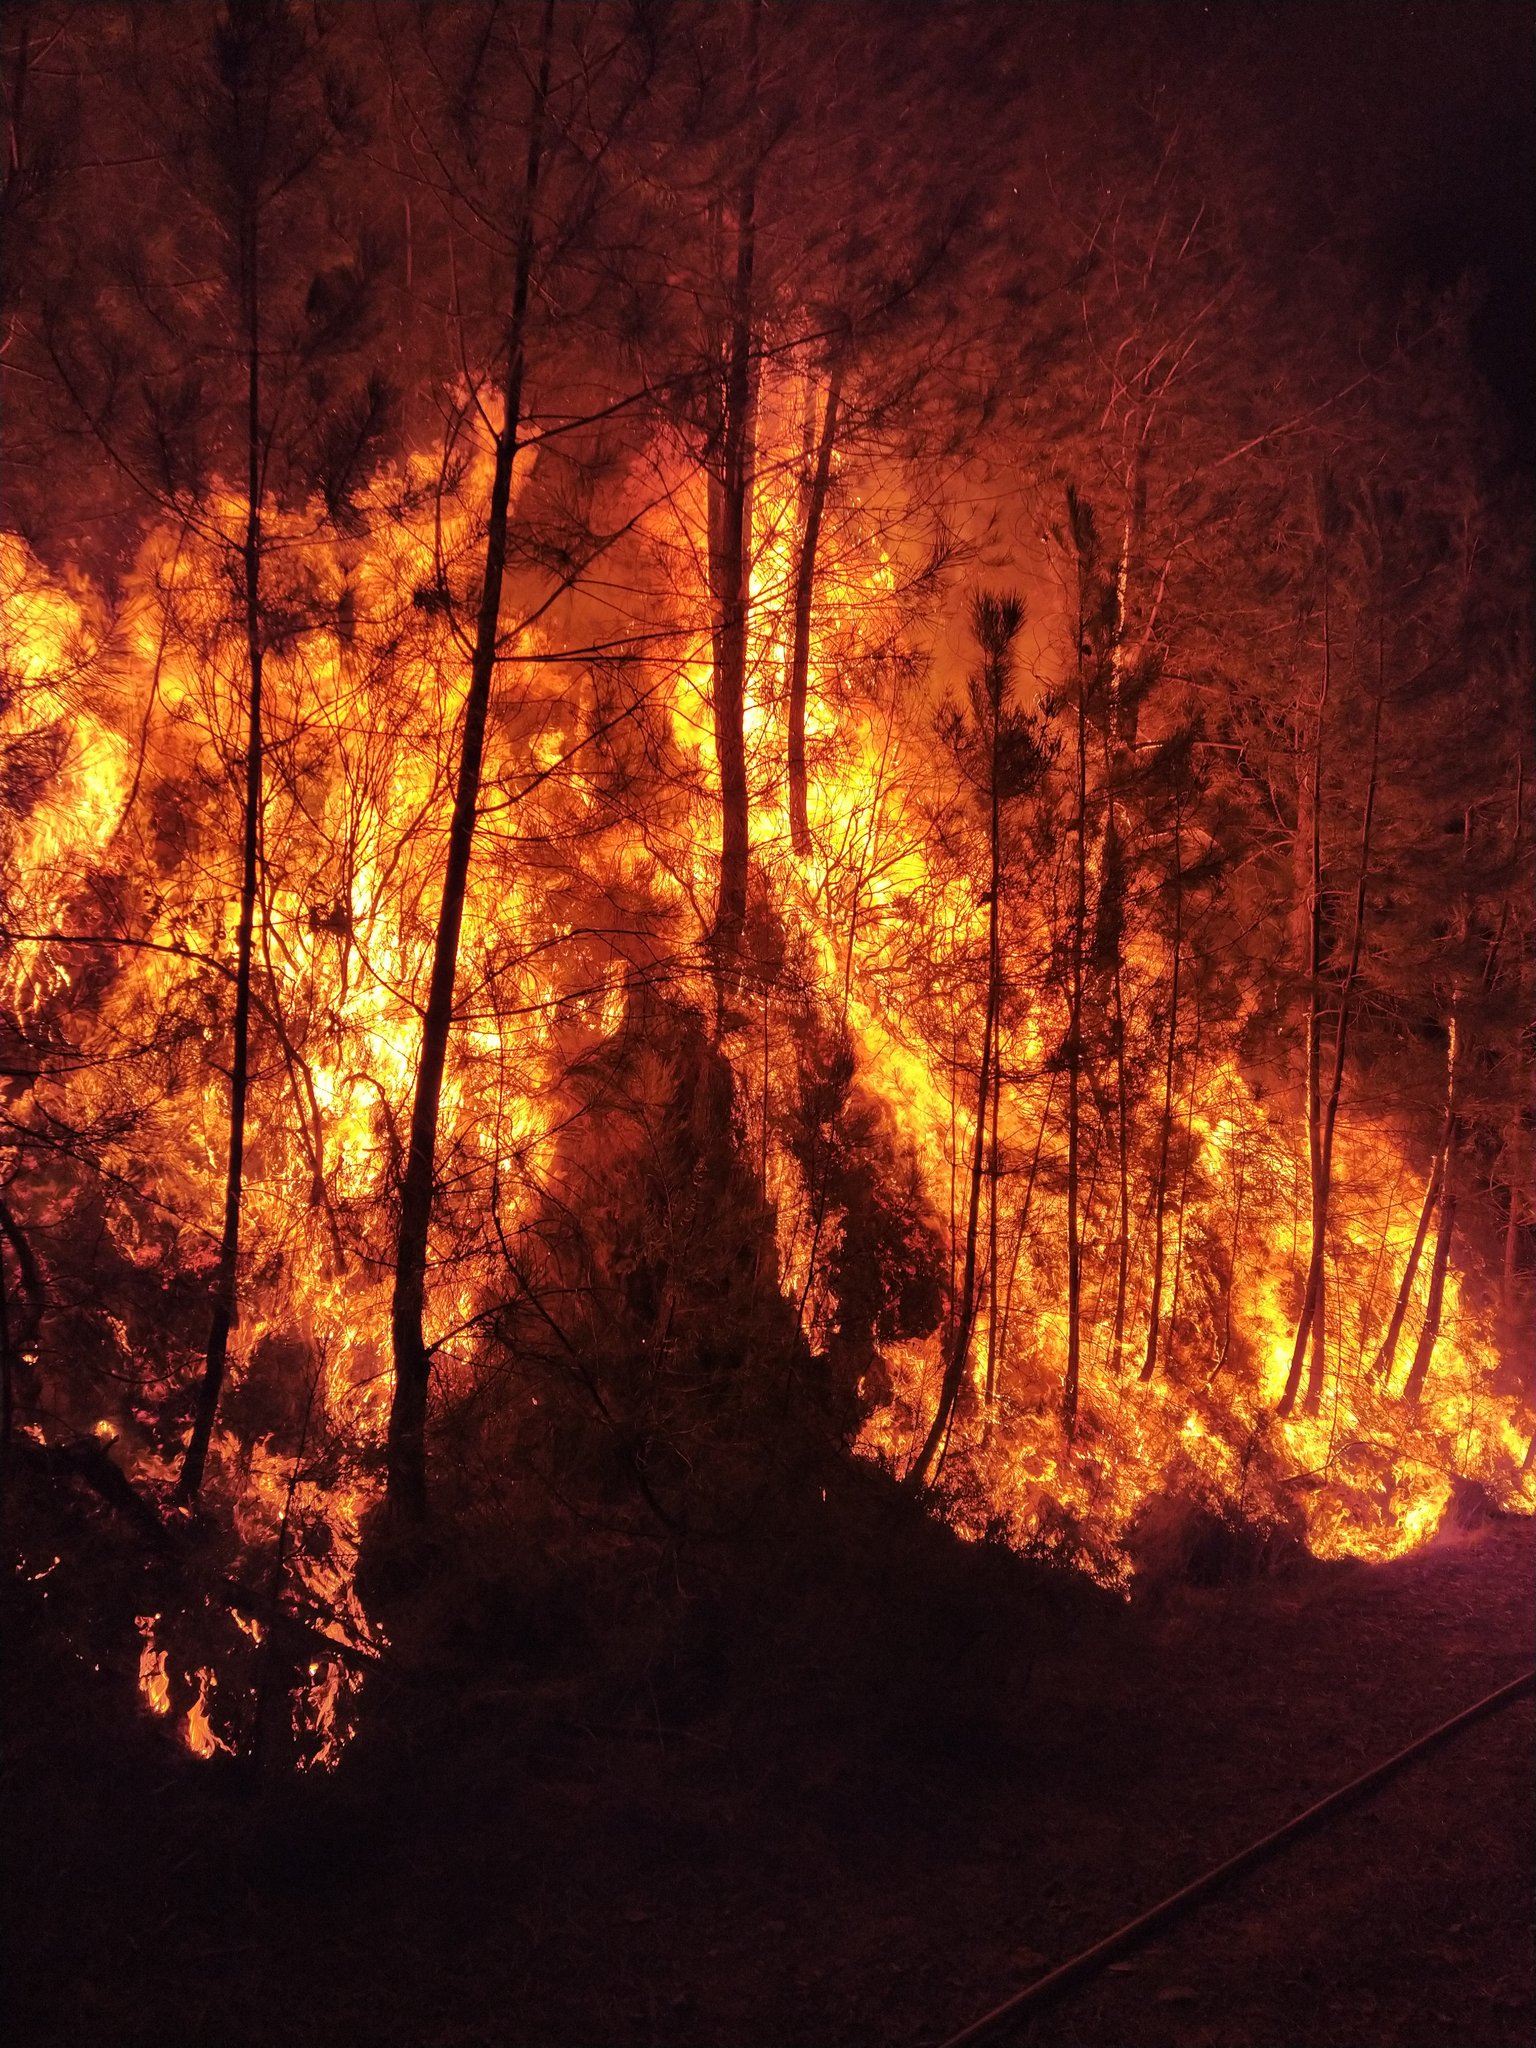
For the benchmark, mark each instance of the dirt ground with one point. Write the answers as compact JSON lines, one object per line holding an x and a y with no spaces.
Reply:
{"x":815,"y":1865}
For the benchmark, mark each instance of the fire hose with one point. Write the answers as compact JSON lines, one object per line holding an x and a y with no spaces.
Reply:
{"x":1066,"y":1976}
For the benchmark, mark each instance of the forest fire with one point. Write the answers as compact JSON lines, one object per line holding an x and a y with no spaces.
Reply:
{"x":704,"y":818}
{"x":138,"y":707}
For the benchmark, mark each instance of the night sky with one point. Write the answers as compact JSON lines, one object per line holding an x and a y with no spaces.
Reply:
{"x":1427,"y":113}
{"x":1407,"y":129}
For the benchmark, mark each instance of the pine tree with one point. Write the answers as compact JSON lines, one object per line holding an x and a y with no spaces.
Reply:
{"x":1002,"y":752}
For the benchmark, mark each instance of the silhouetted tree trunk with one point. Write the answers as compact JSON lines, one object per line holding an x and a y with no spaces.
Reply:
{"x":1321,"y":1128}
{"x":1010,"y":759}
{"x":407,"y":1491}
{"x":1310,"y":1323}
{"x":1386,"y":1357}
{"x":1123,"y":1160}
{"x":730,"y":493}
{"x":226,"y":1273}
{"x":1424,"y":1353}
{"x":1082,"y":529}
{"x":1516,"y":1158}
{"x":1184,"y":1173}
{"x":1429,"y":1331}
{"x":1112,"y":884}
{"x":1165,"y":1131}
{"x":1022,"y":1223}
{"x":225,"y":1277}
{"x":965,"y":1312}
{"x":805,"y":586}
{"x":993,"y":1176}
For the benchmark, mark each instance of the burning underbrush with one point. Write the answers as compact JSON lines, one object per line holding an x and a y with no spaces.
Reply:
{"x":975,"y":1168}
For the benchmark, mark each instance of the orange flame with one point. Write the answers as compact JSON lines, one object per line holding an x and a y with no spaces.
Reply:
{"x":357,"y":719}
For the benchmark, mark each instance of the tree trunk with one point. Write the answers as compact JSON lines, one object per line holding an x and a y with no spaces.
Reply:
{"x":1135,"y":521}
{"x":1123,"y":1140}
{"x":1310,"y":1323}
{"x":1367,"y":1308}
{"x":1160,"y":1195}
{"x":1429,"y":1331}
{"x":992,"y":1187}
{"x":1517,"y":1143}
{"x":1070,"y":1384}
{"x":1423,"y":1355}
{"x":225,"y":1285}
{"x":1386,"y":1357}
{"x":1023,"y":1218}
{"x":406,"y":1454}
{"x":1314,"y":1393}
{"x":730,"y":564}
{"x":1189,"y":1155}
{"x":805,"y":586}
{"x":1321,"y":1130}
{"x":965,"y":1316}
